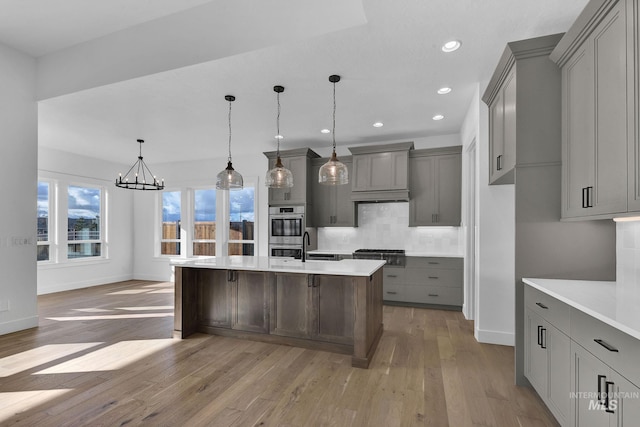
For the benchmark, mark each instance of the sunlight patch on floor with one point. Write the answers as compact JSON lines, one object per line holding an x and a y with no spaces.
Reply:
{"x":160,"y":285}
{"x":110,"y":317}
{"x":146,"y":308}
{"x":113,"y":357}
{"x":30,"y":359}
{"x":15,"y":402}
{"x":162,"y":291}
{"x":92,"y":310}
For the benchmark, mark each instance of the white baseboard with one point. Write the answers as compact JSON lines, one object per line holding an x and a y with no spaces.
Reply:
{"x":18,"y":325}
{"x":495,"y":337}
{"x":69,"y":286}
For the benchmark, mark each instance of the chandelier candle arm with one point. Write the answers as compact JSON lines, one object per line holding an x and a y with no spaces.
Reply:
{"x":229,"y":179}
{"x":334,"y":172}
{"x":141,"y":168}
{"x":279,"y":176}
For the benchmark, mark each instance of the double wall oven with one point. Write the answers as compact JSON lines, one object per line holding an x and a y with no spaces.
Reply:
{"x":286,"y":230}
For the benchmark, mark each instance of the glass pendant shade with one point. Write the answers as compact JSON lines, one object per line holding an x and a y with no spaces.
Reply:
{"x":229,"y":179}
{"x":279,"y":176}
{"x":334,"y":172}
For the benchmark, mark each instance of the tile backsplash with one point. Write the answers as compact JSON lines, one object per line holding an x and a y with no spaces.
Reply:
{"x":628,"y":252}
{"x":386,"y":225}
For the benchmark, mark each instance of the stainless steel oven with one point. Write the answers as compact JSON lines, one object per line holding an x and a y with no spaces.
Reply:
{"x":286,"y":225}
{"x":285,"y":251}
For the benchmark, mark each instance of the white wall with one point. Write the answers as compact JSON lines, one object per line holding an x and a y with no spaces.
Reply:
{"x":628,"y":260}
{"x":18,"y":154}
{"x":182,"y":175}
{"x":495,"y":293}
{"x":67,"y":168}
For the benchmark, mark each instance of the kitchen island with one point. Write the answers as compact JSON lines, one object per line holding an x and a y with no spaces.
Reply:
{"x":326,"y":305}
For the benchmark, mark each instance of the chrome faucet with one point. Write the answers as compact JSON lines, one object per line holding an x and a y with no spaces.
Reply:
{"x":306,"y":240}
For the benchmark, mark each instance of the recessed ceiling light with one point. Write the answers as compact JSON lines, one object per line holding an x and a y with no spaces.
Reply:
{"x":378,"y":124}
{"x":450,"y":46}
{"x":325,"y":131}
{"x":444,"y":90}
{"x":438,"y":117}
{"x":279,"y":137}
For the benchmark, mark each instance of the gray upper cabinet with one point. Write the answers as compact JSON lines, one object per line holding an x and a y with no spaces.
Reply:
{"x":436,"y":187}
{"x":518,"y":111}
{"x":298,"y":161}
{"x":502,"y":135}
{"x":597,"y":62}
{"x":332,"y":205}
{"x":381,"y":172}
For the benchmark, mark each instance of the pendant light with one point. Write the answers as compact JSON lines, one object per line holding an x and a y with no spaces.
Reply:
{"x":142,"y":173}
{"x":334,"y":172}
{"x":279,"y":176}
{"x":229,"y":179}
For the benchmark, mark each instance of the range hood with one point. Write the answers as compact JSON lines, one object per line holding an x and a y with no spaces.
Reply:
{"x":381,"y":173}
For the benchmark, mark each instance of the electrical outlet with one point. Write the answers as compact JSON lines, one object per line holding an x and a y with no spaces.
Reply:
{"x":4,"y":305}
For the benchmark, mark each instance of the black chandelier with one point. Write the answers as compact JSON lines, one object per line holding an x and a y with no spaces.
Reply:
{"x":141,"y":178}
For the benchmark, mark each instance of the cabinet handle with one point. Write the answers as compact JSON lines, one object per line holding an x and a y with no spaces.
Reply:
{"x":540,"y":335}
{"x":437,"y":217}
{"x":600,"y":378}
{"x":433,"y":295}
{"x":589,"y":197}
{"x":541,"y":305}
{"x":499,"y":162}
{"x":606,"y":345}
{"x":543,"y":339}
{"x":606,"y":398}
{"x":391,"y":275}
{"x":392,"y":292}
{"x":584,"y":198}
{"x":433,"y":277}
{"x":433,"y":262}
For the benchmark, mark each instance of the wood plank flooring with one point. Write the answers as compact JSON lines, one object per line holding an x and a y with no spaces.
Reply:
{"x":104,"y":356}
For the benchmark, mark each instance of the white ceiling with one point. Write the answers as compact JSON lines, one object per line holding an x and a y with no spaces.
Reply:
{"x":391,"y":68}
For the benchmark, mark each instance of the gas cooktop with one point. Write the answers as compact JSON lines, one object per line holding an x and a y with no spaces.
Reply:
{"x":380,"y":251}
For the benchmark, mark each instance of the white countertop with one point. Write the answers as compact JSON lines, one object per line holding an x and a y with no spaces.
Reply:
{"x":615,"y":304}
{"x":346,"y":267}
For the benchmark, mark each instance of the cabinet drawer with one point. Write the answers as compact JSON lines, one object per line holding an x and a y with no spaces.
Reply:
{"x":438,"y":295}
{"x":434,"y":277}
{"x":552,"y":310}
{"x":393,"y":275}
{"x":394,"y":293}
{"x":435,"y":262}
{"x":585,"y":330}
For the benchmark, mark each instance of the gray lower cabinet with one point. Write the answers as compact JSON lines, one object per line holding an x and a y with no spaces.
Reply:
{"x":573,"y":360}
{"x":604,"y":397}
{"x":425,"y":280}
{"x":332,"y":204}
{"x":436,"y":187}
{"x":597,"y":111}
{"x":313,"y":307}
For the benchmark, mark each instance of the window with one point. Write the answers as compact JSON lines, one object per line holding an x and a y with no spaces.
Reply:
{"x":170,"y":237}
{"x":43,"y":221}
{"x":84,"y":223}
{"x":241,"y":221}
{"x":204,"y":222}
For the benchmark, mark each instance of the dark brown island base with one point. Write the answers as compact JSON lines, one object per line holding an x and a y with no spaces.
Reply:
{"x":325,"y":305}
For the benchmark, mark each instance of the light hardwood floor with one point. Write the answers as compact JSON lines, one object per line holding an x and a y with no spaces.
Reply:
{"x":104,"y":356}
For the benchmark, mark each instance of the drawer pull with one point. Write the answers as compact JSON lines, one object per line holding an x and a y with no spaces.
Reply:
{"x":433,"y":277}
{"x":391,"y":292}
{"x":433,"y":295}
{"x":606,"y":398}
{"x":606,"y":345}
{"x":433,"y":263}
{"x":539,"y":304}
{"x":391,"y":275}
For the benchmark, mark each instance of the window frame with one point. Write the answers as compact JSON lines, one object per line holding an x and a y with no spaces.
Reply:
{"x":102,"y":226}
{"x":181,"y":230}
{"x":192,"y":221}
{"x":253,"y":241}
{"x":51,"y":222}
